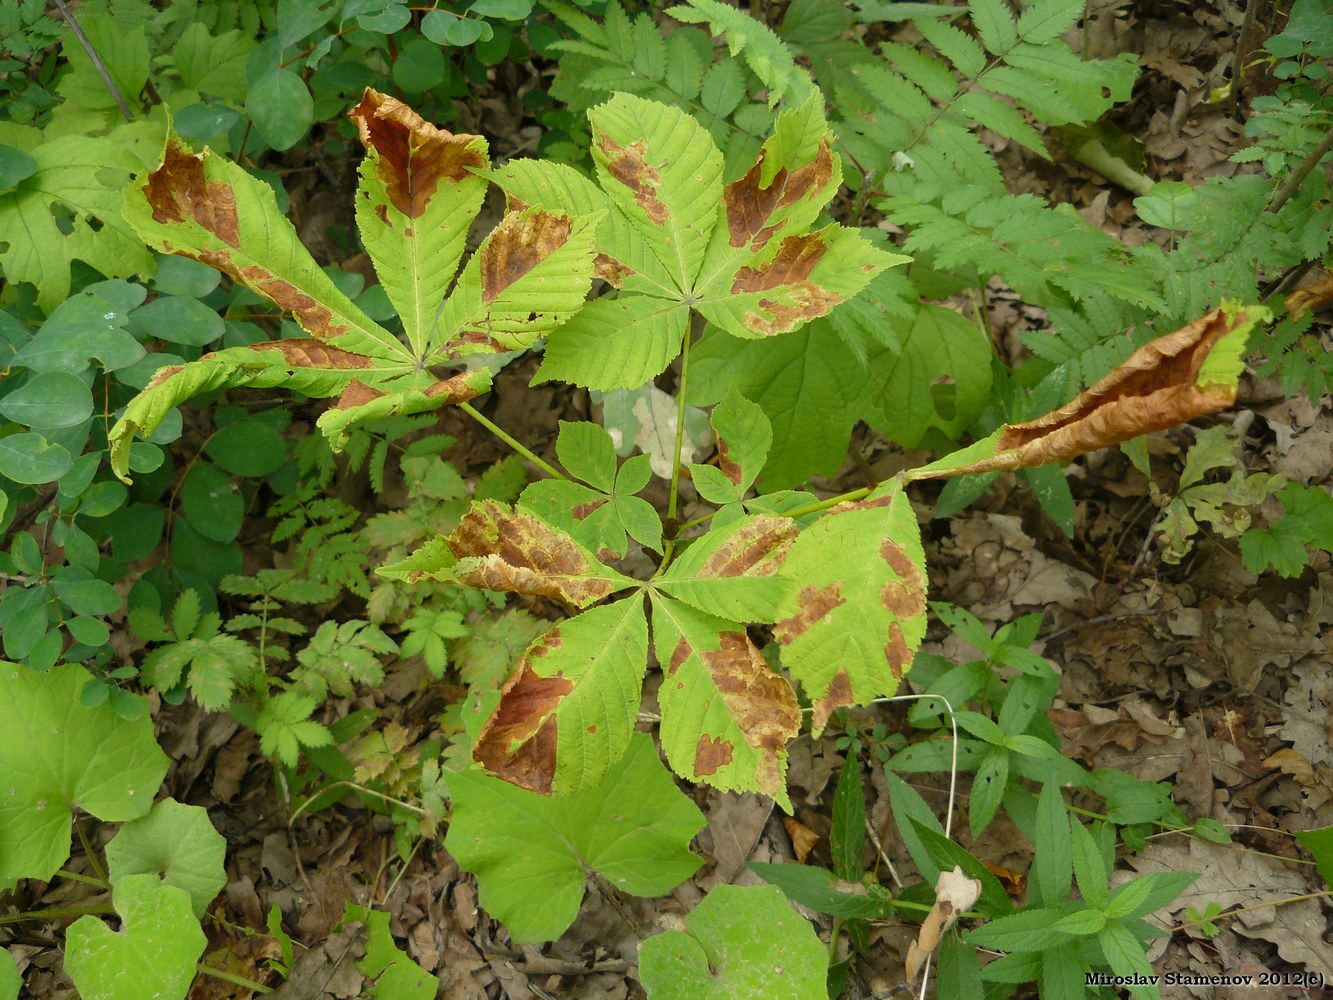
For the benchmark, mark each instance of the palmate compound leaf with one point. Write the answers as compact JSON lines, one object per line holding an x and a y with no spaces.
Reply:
{"x":176,"y":842}
{"x":532,"y":854}
{"x":152,"y":957}
{"x":726,"y":715}
{"x":417,"y":198}
{"x":676,"y":239}
{"x":57,"y":754}
{"x":1174,"y":378}
{"x":740,"y":942}
{"x":850,"y":629}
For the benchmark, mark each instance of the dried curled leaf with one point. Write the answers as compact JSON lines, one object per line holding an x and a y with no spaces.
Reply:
{"x":954,"y":894}
{"x":1173,"y":379}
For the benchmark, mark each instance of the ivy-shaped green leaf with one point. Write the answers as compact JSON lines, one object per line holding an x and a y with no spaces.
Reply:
{"x":59,"y":754}
{"x":741,"y":941}
{"x":176,"y":842}
{"x":532,"y":854}
{"x":153,"y":957}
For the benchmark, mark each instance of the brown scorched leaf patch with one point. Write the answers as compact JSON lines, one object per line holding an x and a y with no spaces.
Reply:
{"x":414,"y":156}
{"x":517,"y":245}
{"x":518,"y":741}
{"x":751,"y":207}
{"x":628,"y":165}
{"x":1157,"y":387}
{"x":506,"y":550}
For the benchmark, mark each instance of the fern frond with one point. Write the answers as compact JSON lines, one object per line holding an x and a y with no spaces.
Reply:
{"x":763,"y":51}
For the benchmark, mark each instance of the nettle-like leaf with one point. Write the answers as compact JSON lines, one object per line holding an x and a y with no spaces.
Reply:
{"x":154,"y":955}
{"x":745,"y":256}
{"x":1172,"y":379}
{"x":396,"y":976}
{"x":851,"y":628}
{"x":419,"y":193}
{"x":58,"y":754}
{"x":532,"y":855}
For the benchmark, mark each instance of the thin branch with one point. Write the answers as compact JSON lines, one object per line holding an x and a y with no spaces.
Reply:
{"x":96,"y":60}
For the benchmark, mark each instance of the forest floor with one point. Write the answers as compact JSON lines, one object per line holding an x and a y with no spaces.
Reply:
{"x":1197,"y":674}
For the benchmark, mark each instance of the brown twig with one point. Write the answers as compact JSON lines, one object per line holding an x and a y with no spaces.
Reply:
{"x":96,"y":60}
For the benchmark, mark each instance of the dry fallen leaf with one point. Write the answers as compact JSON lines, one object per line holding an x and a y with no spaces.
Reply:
{"x":1167,"y":381}
{"x":803,"y":839}
{"x":954,"y":893}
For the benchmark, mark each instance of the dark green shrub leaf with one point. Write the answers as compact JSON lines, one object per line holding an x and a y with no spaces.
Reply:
{"x":177,"y":320}
{"x":49,"y":400}
{"x":30,"y":459}
{"x":281,"y":107}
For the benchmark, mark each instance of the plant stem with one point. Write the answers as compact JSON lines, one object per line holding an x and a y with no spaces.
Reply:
{"x":57,"y":913}
{"x":231,"y":977}
{"x":85,"y":879}
{"x":1300,"y":173}
{"x":96,"y":60}
{"x":673,"y":497}
{"x":513,"y":443}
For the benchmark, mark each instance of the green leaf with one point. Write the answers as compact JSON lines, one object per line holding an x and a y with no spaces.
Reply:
{"x":663,"y":172}
{"x":112,"y":770}
{"x":251,"y":447}
{"x":849,"y":633}
{"x":808,"y":385}
{"x":396,"y":977}
{"x":848,"y":835}
{"x":280,"y":105}
{"x":154,"y":954}
{"x":1053,"y":866}
{"x":735,"y":570}
{"x":78,"y":177}
{"x":995,"y":24}
{"x":177,"y":320}
{"x":567,"y":713}
{"x":744,"y":435}
{"x":15,"y":165}
{"x":587,"y":453}
{"x":213,"y":64}
{"x":994,"y":901}
{"x":87,"y":597}
{"x":909,"y":810}
{"x":49,"y":400}
{"x":1032,"y":929}
{"x":741,"y":941}
{"x":1319,"y":843}
{"x":1125,"y":955}
{"x":634,"y":829}
{"x":10,"y":979}
{"x":823,"y":891}
{"x":763,"y":51}
{"x":176,"y":842}
{"x":726,"y":715}
{"x":30,"y":459}
{"x":213,"y":505}
{"x":1089,"y":868}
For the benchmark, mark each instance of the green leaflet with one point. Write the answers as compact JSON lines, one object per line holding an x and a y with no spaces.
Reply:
{"x":762,"y":49}
{"x":734,"y":571}
{"x":396,"y":976}
{"x":532,"y":854}
{"x":112,"y":770}
{"x":850,"y":632}
{"x":419,"y":192}
{"x":726,"y":715}
{"x":675,"y":239}
{"x":567,"y":713}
